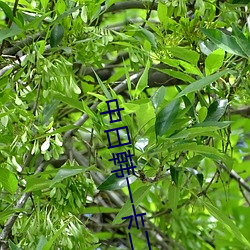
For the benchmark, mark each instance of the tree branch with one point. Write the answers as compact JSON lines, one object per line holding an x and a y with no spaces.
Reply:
{"x":21,"y":44}
{"x":20,"y":203}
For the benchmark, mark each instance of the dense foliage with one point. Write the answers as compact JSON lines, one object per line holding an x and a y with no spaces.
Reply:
{"x":180,"y":70}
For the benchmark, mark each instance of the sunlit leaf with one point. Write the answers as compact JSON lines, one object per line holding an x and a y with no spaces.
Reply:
{"x":8,"y":180}
{"x":214,"y":61}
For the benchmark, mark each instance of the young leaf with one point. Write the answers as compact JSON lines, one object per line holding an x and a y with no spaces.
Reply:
{"x":214,"y":61}
{"x":143,"y":81}
{"x":166,"y":117}
{"x":56,"y":35}
{"x":49,"y":244}
{"x":173,"y":196}
{"x":104,"y":89}
{"x":162,"y":12}
{"x":202,"y":114}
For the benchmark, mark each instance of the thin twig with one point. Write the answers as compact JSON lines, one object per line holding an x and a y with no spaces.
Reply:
{"x":235,"y":176}
{"x":148,"y":14}
{"x":37,"y":97}
{"x":9,"y":24}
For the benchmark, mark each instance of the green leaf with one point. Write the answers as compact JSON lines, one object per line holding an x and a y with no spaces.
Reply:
{"x":193,"y":132}
{"x":174,"y":172}
{"x":214,"y":61}
{"x":166,"y":117}
{"x":198,"y":175}
{"x":68,"y":12}
{"x":44,"y":3}
{"x":218,"y":125}
{"x":114,"y":183}
{"x":194,"y":161}
{"x":173,"y":196}
{"x":197,"y":85}
{"x":186,"y":54}
{"x":227,"y":223}
{"x":99,"y":210}
{"x":127,"y":209}
{"x":216,"y":110}
{"x":202,"y":114}
{"x":70,"y":101}
{"x":41,"y":243}
{"x":8,"y":180}
{"x":9,"y":211}
{"x":35,"y":183}
{"x":158,"y":97}
{"x":49,"y":110}
{"x":147,"y":35}
{"x":189,"y":68}
{"x":207,"y":46}
{"x":204,"y":150}
{"x":244,"y":45}
{"x":7,"y":10}
{"x":162,"y":12}
{"x":177,"y":74}
{"x":13,"y":246}
{"x":223,"y":41}
{"x":104,"y":89}
{"x":143,"y":81}
{"x":49,"y":244}
{"x":66,"y":172}
{"x":56,"y":35}
{"x":9,"y":32}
